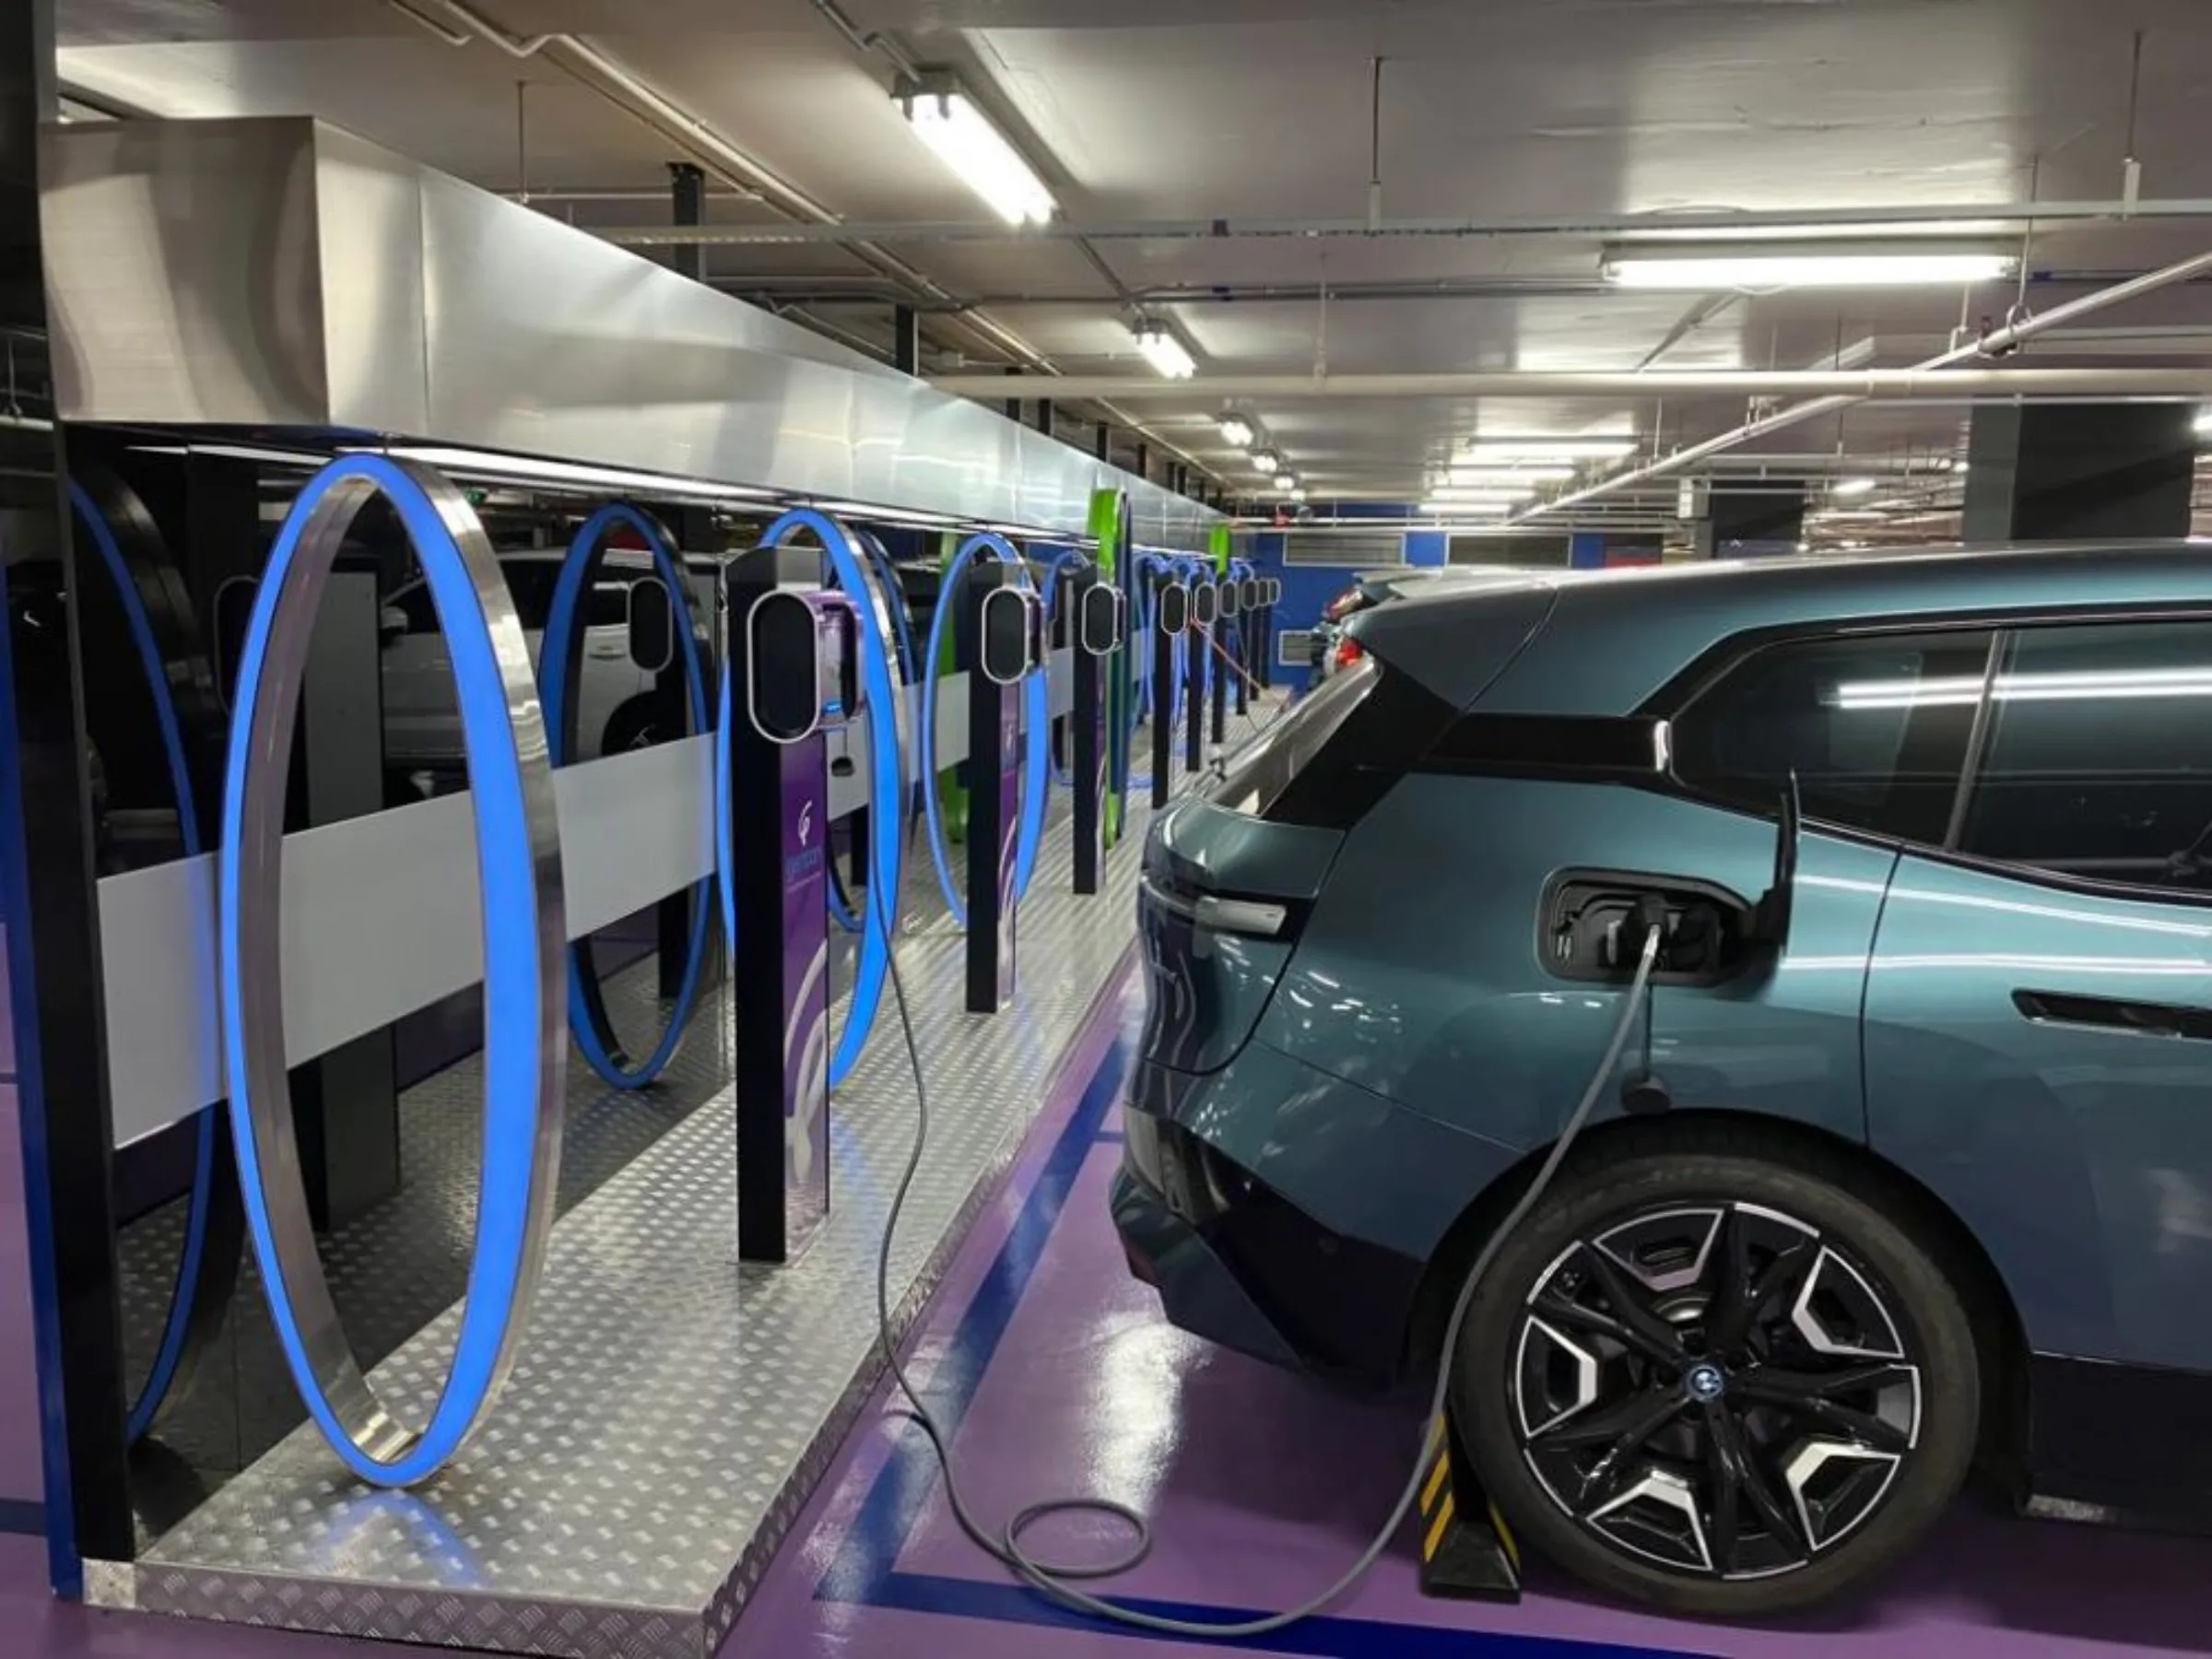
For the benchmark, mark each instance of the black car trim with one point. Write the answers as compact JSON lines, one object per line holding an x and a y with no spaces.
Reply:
{"x":1623,"y":749}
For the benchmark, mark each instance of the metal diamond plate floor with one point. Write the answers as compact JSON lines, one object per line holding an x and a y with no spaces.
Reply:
{"x":670,"y":1412}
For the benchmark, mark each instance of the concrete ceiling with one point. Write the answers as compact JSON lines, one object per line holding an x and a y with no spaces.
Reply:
{"x":1252,"y":109}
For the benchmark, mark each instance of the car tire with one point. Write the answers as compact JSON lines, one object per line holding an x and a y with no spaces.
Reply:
{"x":1811,"y":1439}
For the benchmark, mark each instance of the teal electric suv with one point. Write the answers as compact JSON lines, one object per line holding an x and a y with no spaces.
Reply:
{"x":1907,"y":1170}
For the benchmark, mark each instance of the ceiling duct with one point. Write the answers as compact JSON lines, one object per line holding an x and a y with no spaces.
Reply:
{"x":280,"y":273}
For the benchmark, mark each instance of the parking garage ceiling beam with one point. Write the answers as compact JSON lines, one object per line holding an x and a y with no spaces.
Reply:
{"x":1896,"y":385}
{"x":1960,"y":218}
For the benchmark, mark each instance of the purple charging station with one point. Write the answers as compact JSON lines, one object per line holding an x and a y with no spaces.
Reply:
{"x":1098,"y":609}
{"x":995,"y":645}
{"x":792,"y":653}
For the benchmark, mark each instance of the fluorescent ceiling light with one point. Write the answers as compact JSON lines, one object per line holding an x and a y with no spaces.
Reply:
{"x":1803,"y":268}
{"x":1851,"y":487}
{"x":1507,"y":451}
{"x":1167,"y":354}
{"x":567,"y":474}
{"x":1470,"y":492}
{"x":2203,"y":425}
{"x":1297,"y":494}
{"x":1236,"y":432}
{"x":949,"y":122}
{"x":1538,"y":473}
{"x":1286,"y":480}
{"x":1267,"y":461}
{"x":1454,"y":505}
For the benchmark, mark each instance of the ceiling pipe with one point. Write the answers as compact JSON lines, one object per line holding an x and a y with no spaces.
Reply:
{"x":2000,"y":217}
{"x":642,"y":101}
{"x":1999,"y":340}
{"x":1854,"y":384}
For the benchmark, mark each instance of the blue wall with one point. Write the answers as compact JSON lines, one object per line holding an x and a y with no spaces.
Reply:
{"x":1307,"y":588}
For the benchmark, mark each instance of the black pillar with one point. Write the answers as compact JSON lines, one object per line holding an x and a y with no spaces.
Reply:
{"x":2079,"y":472}
{"x":46,"y":883}
{"x":1012,"y":407}
{"x":906,"y":340}
{"x":1144,"y":461}
{"x":1766,"y":518}
{"x":1103,"y":446}
{"x":687,"y":185}
{"x":1043,"y":408}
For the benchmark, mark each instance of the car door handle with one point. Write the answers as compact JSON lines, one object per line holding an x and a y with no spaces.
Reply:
{"x":2115,"y":1014}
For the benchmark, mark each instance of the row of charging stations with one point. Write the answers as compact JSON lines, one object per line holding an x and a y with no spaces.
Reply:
{"x":1205,"y":632}
{"x":806,"y":667}
{"x":808,"y":650}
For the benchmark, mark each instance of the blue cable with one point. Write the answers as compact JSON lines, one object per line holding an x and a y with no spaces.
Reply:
{"x":553,"y":655}
{"x":176,"y":1329}
{"x":1037,"y":707}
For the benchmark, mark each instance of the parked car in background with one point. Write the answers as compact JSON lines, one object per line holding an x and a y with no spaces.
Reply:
{"x":1907,"y":1170}
{"x":1326,"y":646}
{"x":423,"y":747}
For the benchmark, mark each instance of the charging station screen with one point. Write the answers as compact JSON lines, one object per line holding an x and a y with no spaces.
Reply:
{"x":1174,"y":608}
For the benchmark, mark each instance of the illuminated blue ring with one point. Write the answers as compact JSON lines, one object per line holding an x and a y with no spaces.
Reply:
{"x":520,"y":889}
{"x":902,"y":638}
{"x":553,"y":688}
{"x":1038,"y":753}
{"x":178,"y":1325}
{"x":880,"y":698}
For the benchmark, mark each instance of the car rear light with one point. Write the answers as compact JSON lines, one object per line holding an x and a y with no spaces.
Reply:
{"x":1347,"y":652}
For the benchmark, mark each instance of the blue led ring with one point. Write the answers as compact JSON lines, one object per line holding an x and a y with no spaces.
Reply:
{"x":1037,"y":707}
{"x":172,"y":1356}
{"x":886,"y":600}
{"x":587,"y":1013}
{"x":879,"y":699}
{"x":518,"y":867}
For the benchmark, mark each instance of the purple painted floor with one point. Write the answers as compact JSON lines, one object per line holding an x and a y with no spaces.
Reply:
{"x":1262,"y":1487}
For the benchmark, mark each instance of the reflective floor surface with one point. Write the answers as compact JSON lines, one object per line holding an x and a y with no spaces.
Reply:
{"x":1262,"y":1487}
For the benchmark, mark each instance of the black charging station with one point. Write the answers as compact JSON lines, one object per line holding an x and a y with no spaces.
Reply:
{"x":1206,"y":600}
{"x":793,"y":663}
{"x":998,"y":638}
{"x":1097,"y":609}
{"x":1248,"y":633}
{"x":1170,"y":620}
{"x":1228,"y":592}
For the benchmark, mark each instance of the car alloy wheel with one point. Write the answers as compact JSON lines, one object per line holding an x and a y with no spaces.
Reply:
{"x":1715,"y":1388}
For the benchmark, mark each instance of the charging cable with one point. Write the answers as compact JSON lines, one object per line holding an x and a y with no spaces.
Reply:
{"x":1064,"y":1584}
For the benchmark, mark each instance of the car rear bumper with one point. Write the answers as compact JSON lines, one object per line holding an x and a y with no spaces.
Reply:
{"x":1198,"y":1291}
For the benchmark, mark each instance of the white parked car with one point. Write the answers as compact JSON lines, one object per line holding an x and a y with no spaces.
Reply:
{"x":423,"y":750}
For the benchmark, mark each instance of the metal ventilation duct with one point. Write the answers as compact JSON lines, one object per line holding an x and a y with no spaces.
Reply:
{"x":282,"y":274}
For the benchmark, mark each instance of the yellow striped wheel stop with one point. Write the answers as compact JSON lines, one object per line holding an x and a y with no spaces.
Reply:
{"x":1466,"y":1551}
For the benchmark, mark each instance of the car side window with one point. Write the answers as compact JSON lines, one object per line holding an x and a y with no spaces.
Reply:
{"x":2098,"y":760}
{"x":1874,"y":729}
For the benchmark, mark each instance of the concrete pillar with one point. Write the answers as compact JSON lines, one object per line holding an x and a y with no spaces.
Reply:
{"x":2079,"y":472}
{"x":687,"y":188}
{"x":1756,"y":520}
{"x":906,"y":340}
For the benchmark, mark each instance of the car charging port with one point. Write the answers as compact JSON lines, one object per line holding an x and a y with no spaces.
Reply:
{"x":1593,"y":924}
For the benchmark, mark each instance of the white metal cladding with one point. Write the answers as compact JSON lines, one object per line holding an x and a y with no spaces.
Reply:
{"x":281,"y":273}
{"x":382,"y":912}
{"x":1354,"y":549}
